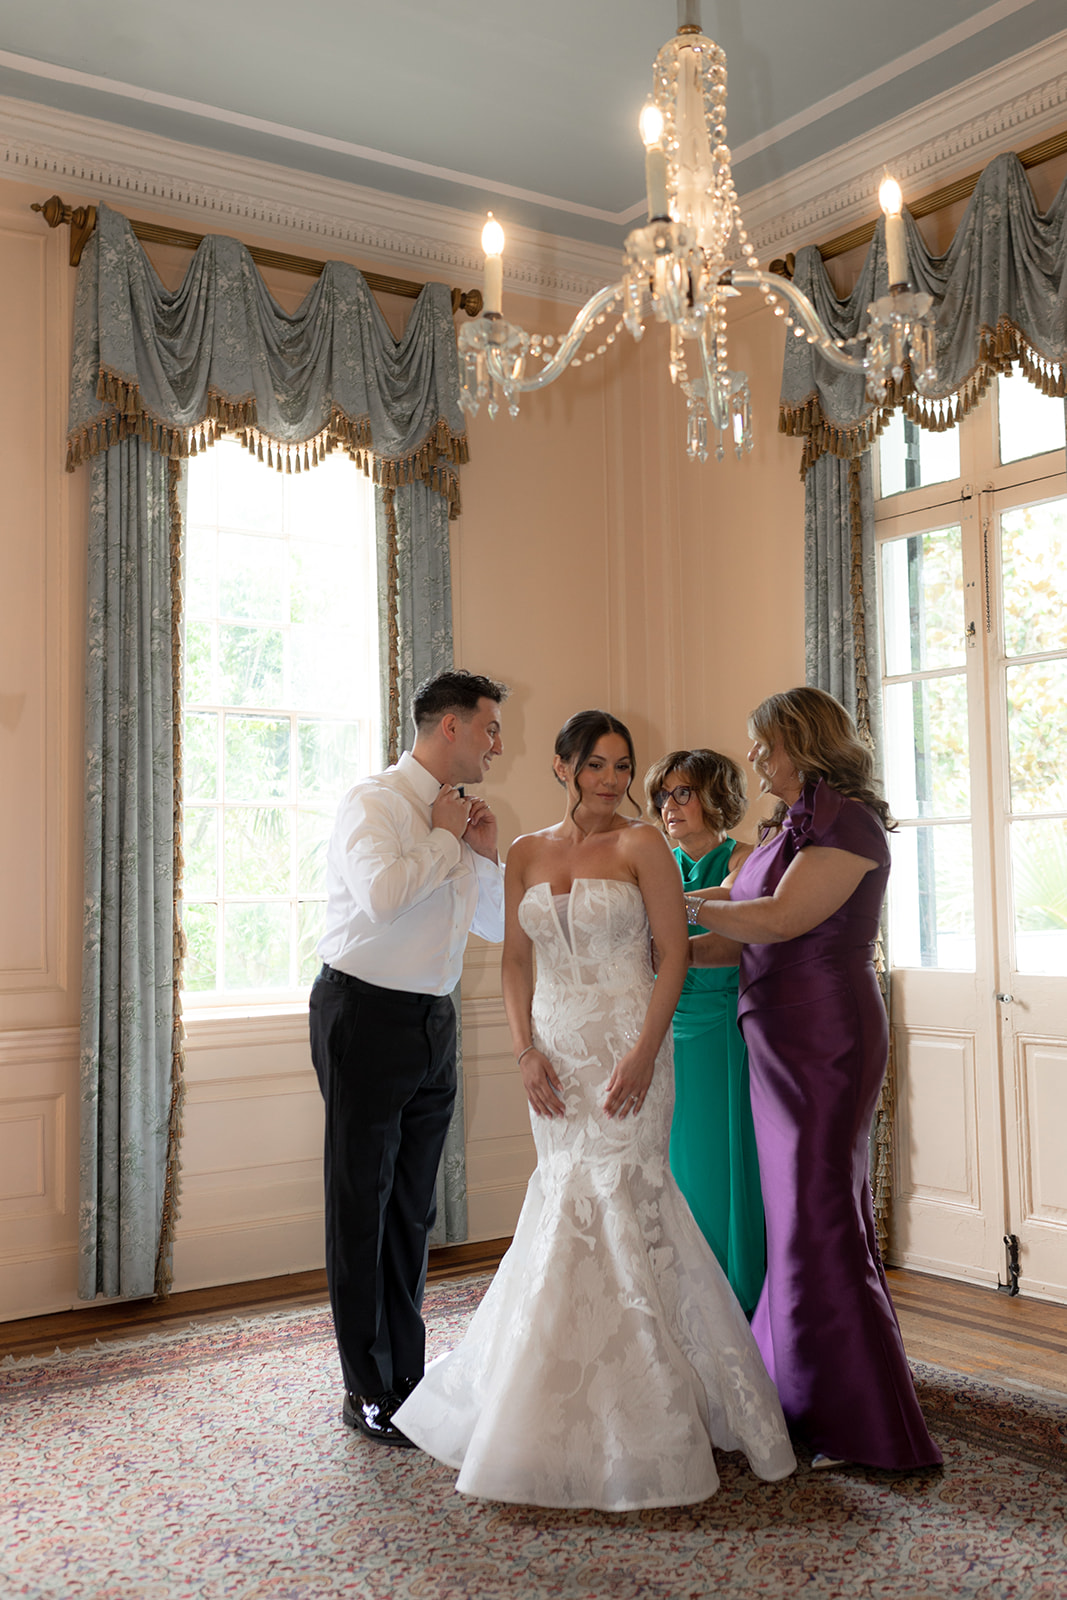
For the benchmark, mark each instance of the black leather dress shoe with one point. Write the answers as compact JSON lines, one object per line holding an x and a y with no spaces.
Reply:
{"x":372,"y":1415}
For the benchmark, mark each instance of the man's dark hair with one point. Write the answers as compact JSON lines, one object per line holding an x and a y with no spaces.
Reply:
{"x":457,"y":691}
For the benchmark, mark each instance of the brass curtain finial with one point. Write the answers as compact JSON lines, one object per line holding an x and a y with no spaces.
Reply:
{"x":82,"y":220}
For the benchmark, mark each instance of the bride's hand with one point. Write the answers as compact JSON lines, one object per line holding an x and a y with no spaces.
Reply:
{"x":629,"y":1084}
{"x":543,"y":1089}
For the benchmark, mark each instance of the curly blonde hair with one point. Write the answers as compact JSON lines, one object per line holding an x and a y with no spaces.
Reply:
{"x":719,"y":784}
{"x":821,"y":740}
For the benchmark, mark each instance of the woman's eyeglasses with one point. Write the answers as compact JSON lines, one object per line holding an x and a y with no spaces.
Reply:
{"x":681,"y":796}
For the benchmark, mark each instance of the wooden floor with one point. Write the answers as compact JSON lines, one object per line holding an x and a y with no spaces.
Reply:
{"x":955,"y":1325}
{"x":982,"y":1331}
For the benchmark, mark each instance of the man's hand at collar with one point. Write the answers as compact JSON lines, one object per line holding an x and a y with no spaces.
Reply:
{"x":481,"y":830}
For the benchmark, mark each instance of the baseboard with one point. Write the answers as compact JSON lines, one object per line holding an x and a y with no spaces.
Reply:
{"x":456,"y":1260}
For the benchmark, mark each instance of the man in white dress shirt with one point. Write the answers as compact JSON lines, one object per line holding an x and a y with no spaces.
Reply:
{"x":411,"y":868}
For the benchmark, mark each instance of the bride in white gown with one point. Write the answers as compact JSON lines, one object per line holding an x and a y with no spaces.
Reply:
{"x":609,"y":1355}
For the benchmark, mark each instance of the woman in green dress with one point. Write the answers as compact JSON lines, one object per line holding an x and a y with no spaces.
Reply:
{"x":696,"y":796}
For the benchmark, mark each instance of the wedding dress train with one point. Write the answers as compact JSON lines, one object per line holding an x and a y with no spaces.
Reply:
{"x":609,"y":1354}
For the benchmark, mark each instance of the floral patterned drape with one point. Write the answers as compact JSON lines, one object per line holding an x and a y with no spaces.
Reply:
{"x":127,"y":1045}
{"x":415,"y":607}
{"x":1000,"y":293}
{"x":157,"y":375}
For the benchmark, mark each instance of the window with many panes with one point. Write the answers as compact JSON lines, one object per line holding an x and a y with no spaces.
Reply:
{"x":281,"y":702}
{"x":973,"y":524}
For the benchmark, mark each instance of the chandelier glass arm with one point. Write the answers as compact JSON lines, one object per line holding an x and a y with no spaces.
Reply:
{"x":807,"y":318}
{"x":508,"y":371}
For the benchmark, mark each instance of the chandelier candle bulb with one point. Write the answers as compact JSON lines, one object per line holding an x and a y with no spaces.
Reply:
{"x":896,"y":241}
{"x":651,"y":126}
{"x":493,"y":245}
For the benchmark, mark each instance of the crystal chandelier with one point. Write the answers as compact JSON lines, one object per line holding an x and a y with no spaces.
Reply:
{"x":676,"y":270}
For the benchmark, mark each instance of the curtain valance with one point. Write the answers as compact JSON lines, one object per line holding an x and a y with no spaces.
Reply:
{"x":1000,"y":293}
{"x":218,"y":353}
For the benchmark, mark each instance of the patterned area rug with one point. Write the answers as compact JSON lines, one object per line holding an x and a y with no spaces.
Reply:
{"x":212,"y":1465}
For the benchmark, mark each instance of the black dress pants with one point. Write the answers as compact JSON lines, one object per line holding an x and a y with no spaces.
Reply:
{"x":386,"y":1065}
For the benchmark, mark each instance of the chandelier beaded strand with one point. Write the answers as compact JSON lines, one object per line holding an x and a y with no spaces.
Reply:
{"x":676,"y":270}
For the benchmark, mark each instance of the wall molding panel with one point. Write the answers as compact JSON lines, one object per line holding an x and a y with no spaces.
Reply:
{"x":38,"y":1170}
{"x":40,"y":640}
{"x":500,"y":1147}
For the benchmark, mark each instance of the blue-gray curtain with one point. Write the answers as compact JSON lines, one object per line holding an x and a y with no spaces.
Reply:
{"x":1000,"y":294}
{"x":415,"y":634}
{"x":127,"y":1045}
{"x":157,"y":375}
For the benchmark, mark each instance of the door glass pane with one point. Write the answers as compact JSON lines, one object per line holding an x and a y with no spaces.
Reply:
{"x":922,"y":602}
{"x":1031,"y":423}
{"x":927,"y":769}
{"x":1033,"y":541}
{"x":911,"y":457}
{"x":931,"y":898}
{"x":1037,"y":735}
{"x":1039,"y":884}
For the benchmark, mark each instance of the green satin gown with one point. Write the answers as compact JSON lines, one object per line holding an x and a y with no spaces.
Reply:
{"x":713,"y":1145}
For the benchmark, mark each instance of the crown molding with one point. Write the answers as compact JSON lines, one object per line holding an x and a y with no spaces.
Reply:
{"x":216,"y":192}
{"x":1013,"y":105}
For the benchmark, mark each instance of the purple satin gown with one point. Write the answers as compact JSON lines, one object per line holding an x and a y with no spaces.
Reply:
{"x":815,"y":1025}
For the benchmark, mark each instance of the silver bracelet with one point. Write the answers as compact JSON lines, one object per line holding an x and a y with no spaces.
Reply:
{"x":521,"y":1053}
{"x":692,"y":910}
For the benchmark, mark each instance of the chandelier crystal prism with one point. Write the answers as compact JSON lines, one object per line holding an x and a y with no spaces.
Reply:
{"x":677,"y":270}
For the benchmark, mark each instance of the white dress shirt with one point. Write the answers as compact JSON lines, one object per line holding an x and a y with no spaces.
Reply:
{"x":402,"y":895}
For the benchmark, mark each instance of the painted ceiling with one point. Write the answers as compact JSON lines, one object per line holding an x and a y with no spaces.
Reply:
{"x":527,"y":107}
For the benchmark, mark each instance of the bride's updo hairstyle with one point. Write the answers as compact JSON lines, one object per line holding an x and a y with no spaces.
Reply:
{"x":821,"y":741}
{"x":578,"y":738}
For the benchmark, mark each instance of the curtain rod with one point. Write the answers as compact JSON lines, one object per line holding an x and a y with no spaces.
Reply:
{"x":82,"y":221}
{"x":936,"y":200}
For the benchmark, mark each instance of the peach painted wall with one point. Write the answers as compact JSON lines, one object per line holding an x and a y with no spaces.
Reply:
{"x":593,"y":565}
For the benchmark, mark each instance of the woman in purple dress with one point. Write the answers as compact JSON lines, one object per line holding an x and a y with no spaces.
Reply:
{"x":801,"y":919}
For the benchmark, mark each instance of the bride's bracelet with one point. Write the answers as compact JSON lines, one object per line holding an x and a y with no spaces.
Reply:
{"x":693,"y":903}
{"x":522,"y":1053}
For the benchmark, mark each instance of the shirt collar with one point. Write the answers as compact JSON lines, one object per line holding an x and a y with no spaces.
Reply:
{"x":415,"y":775}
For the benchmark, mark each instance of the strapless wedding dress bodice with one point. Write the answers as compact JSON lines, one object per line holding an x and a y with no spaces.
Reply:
{"x":609,"y":1354}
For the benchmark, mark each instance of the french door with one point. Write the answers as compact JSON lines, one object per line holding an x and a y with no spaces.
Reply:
{"x":972,"y":560}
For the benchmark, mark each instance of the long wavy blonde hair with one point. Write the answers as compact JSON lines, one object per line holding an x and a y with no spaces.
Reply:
{"x":821,"y":741}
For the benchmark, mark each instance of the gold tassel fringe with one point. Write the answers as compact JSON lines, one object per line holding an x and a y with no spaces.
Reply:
{"x":172,"y":1177}
{"x":434,"y":463}
{"x":999,"y":350}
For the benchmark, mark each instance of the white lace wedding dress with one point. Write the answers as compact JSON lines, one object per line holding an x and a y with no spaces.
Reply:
{"x":609,"y":1353}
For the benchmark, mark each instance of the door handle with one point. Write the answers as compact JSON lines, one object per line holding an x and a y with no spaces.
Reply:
{"x":1005,"y":999}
